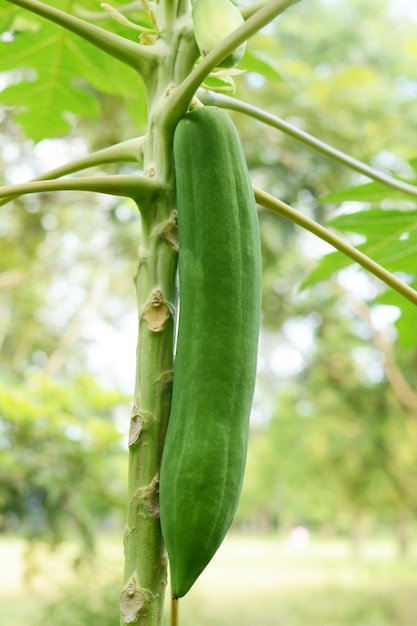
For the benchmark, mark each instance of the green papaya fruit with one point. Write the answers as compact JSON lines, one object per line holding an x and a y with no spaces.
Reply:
{"x":204,"y":454}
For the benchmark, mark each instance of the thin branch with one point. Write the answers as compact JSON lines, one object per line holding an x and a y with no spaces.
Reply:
{"x":269,"y":202}
{"x":103,"y":16}
{"x":124,"y":152}
{"x":234,"y":104}
{"x":180,"y":98}
{"x":72,"y":334}
{"x":140,"y":58}
{"x":174,"y":611}
{"x":398,"y":383}
{"x":136,"y":187}
{"x":6,"y":310}
{"x":10,"y":278}
{"x":250,"y":9}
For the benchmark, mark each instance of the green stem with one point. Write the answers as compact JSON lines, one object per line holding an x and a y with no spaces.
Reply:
{"x":179,"y":99}
{"x":141,"y":58}
{"x":145,"y":560}
{"x":269,"y":202}
{"x":137,"y":187}
{"x":174,"y":612}
{"x":318,"y":145}
{"x":102,"y":16}
{"x":123,"y":152}
{"x":252,"y":8}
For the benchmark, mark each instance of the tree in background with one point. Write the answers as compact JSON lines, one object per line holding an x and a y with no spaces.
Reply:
{"x":57,"y":436}
{"x":67,"y":259}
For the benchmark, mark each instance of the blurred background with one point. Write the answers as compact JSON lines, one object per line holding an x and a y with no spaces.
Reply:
{"x":326,"y":529}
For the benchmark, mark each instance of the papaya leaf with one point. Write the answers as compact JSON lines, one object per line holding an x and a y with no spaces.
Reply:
{"x":378,"y":224}
{"x":330,"y":264}
{"x":255,"y":63}
{"x":406,"y":323}
{"x":50,"y":102}
{"x":391,"y":240}
{"x":216,"y":82}
{"x":65,"y":72}
{"x":8,"y":14}
{"x":368,"y":192}
{"x":413,"y":163}
{"x":61,"y":50}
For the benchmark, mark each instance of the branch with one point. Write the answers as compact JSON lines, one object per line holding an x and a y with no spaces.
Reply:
{"x":269,"y":202}
{"x":180,"y":98}
{"x":140,"y":58}
{"x":123,"y":152}
{"x":250,"y":9}
{"x":103,"y":16}
{"x":318,"y":145}
{"x":11,"y":278}
{"x":138,"y":188}
{"x":6,"y":309}
{"x":398,"y":383}
{"x":71,"y":335}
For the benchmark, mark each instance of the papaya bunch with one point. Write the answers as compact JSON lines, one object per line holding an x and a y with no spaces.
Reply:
{"x":204,"y":454}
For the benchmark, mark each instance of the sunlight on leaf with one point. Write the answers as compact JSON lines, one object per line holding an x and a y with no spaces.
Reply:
{"x":68,"y":70}
{"x":368,"y":192}
{"x":391,"y":240}
{"x":255,"y":63}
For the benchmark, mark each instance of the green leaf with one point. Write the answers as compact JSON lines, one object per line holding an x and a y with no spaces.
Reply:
{"x":376,"y":223}
{"x":391,"y":240}
{"x":368,"y":192}
{"x":391,"y":236}
{"x":216,"y":82}
{"x":69,"y":56}
{"x":413,"y":163}
{"x":255,"y":63}
{"x":406,"y":323}
{"x":44,"y":114}
{"x":329,"y":265}
{"x":7,"y":15}
{"x":68,"y":71}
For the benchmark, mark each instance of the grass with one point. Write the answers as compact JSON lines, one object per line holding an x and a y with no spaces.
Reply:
{"x":250,"y":582}
{"x":267,"y":583}
{"x":33,"y":576}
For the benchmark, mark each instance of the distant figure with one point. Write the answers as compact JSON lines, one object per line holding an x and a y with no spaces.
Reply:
{"x":299,"y":537}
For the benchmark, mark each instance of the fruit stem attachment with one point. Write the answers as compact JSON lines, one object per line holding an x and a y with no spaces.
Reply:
{"x":234,"y":104}
{"x":174,"y":611}
{"x":181,"y":97}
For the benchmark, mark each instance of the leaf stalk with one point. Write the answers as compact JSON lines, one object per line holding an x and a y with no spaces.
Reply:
{"x":181,"y":96}
{"x":270,"y":202}
{"x":128,"y":151}
{"x":140,"y":58}
{"x":139,"y":188}
{"x":235,"y":104}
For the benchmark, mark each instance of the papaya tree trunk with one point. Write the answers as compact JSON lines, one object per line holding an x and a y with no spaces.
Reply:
{"x":145,"y":574}
{"x":145,"y":563}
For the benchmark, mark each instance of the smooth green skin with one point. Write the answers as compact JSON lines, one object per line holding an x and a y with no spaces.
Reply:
{"x":204,"y":454}
{"x":213,"y":21}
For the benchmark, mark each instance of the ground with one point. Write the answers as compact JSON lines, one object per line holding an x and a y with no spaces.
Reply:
{"x":250,"y":581}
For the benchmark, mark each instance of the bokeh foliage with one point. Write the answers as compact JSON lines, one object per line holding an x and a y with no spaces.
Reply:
{"x":335,"y":439}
